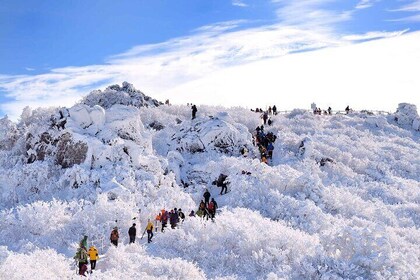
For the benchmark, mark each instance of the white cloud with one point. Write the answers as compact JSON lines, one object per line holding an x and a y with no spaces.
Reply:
{"x":373,"y":35}
{"x":239,"y":3}
{"x":310,"y":13}
{"x":216,"y":62}
{"x":364,"y":4}
{"x":29,"y":69}
{"x":374,"y":75}
{"x":413,"y":7}
{"x":157,"y":68}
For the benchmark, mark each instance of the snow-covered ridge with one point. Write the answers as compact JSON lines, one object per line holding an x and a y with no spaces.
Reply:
{"x":66,"y":172}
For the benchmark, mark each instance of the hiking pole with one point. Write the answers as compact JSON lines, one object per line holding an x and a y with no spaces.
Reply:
{"x":76,"y":264}
{"x":143,"y":234}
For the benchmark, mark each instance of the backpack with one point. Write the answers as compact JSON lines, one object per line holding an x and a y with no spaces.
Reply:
{"x":221,"y":180}
{"x":78,"y":255}
{"x":211,"y":206}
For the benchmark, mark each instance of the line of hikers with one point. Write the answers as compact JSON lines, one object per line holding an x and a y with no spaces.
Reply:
{"x":207,"y":209}
{"x":271,"y":110}
{"x":318,"y":111}
{"x":265,"y":143}
{"x":82,"y":256}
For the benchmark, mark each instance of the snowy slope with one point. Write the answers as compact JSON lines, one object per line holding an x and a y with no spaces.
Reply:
{"x":66,"y":172}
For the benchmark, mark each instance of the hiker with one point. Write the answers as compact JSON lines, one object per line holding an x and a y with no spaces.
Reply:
{"x":132,"y":233}
{"x":212,"y":208}
{"x":149,"y":230}
{"x":157,"y":220}
{"x":173,"y":219}
{"x":302,"y":147}
{"x":270,"y":148}
{"x":329,"y":110}
{"x":192,"y":214}
{"x":194,"y":111}
{"x":201,"y":209}
{"x":83,"y":242}
{"x":221,"y":182}
{"x":323,"y":161}
{"x":265,"y":117}
{"x":269,"y":122}
{"x":181,"y":215}
{"x":244,"y":151}
{"x":347,"y":109}
{"x":82,"y":258}
{"x":164,"y":218}
{"x":206,"y":196}
{"x":274,"y":110}
{"x":93,"y":257}
{"x":264,"y":159}
{"x":114,"y":236}
{"x":269,"y":110}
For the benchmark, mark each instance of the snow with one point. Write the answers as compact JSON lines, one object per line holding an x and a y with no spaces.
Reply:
{"x":355,"y":217}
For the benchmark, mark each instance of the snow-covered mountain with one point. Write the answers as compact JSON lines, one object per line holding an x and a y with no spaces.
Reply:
{"x":347,"y":206}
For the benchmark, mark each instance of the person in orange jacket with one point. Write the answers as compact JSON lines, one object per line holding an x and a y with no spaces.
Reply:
{"x":157,"y":220}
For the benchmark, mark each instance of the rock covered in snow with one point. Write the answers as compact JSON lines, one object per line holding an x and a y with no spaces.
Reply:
{"x":70,"y":152}
{"x":85,"y":117}
{"x":218,"y":133}
{"x":407,"y":115}
{"x":123,"y":95}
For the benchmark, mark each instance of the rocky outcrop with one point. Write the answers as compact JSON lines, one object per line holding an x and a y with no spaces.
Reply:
{"x":70,"y":152}
{"x":123,"y":95}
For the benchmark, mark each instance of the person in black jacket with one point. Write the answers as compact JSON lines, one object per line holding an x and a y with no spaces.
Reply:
{"x":221,"y":182}
{"x":132,"y":233}
{"x":194,"y":111}
{"x":181,"y":215}
{"x":206,"y":196}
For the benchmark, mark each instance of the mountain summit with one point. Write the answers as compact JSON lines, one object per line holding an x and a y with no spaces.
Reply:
{"x":126,"y":94}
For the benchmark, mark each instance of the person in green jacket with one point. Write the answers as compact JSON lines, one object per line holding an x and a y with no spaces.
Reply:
{"x":82,"y":258}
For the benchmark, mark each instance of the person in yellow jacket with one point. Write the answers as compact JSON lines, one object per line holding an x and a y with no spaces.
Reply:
{"x":93,"y":257}
{"x":149,"y":229}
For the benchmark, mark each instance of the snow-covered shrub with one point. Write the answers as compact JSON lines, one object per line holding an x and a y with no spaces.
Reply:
{"x":241,"y":243}
{"x":9,"y":133}
{"x":39,"y":264}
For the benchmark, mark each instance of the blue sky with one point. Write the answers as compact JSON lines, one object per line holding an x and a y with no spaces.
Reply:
{"x":46,"y":45}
